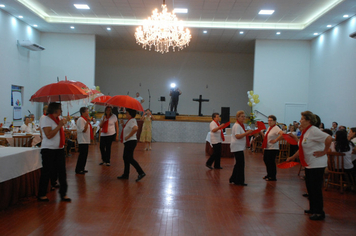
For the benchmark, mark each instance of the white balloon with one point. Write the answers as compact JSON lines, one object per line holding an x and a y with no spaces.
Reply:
{"x":249,"y":96}
{"x":253,"y":104}
{"x":248,"y":92}
{"x":251,"y":100}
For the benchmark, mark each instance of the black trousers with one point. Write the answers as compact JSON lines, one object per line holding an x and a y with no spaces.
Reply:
{"x":53,"y":160}
{"x":238,"y":174}
{"x":105,"y":147}
{"x":129,"y":159}
{"x":314,"y":179}
{"x":269,"y":157}
{"x":82,"y":158}
{"x":216,"y":156}
{"x":174,"y":105}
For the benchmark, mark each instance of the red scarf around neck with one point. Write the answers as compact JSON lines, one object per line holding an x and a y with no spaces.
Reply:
{"x":222,"y":134}
{"x":122,"y":131}
{"x":247,"y":137}
{"x":301,"y":151}
{"x":91,"y":128}
{"x":61,"y":131}
{"x":105,"y":127}
{"x":265,"y":140}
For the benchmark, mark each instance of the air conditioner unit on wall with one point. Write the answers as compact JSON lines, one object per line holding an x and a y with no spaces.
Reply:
{"x":353,"y":35}
{"x":29,"y":45}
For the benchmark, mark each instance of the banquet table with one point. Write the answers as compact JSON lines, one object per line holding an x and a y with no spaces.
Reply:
{"x":225,"y":146}
{"x":19,"y":174}
{"x":10,"y":138}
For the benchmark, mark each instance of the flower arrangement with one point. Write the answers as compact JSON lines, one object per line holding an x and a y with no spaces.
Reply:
{"x":253,"y":100}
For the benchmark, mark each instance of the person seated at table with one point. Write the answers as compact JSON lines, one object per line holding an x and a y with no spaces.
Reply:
{"x":321,"y":126}
{"x":27,"y":127}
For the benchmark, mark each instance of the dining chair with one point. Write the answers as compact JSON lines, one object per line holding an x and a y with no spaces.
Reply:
{"x":336,"y":173}
{"x":259,"y":141}
{"x":23,"y":141}
{"x":283,"y":151}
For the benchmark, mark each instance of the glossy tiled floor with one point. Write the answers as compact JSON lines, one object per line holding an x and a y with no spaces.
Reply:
{"x":179,"y":196}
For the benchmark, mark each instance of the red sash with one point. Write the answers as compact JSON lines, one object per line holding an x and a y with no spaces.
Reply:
{"x":264,"y":144}
{"x":104,"y":128}
{"x":61,"y":131}
{"x":247,"y":138}
{"x":301,"y":151}
{"x":122,"y":131}
{"x":222,"y":134}
{"x":91,"y":129}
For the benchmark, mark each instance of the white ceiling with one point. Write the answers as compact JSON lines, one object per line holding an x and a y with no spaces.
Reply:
{"x":222,"y":19}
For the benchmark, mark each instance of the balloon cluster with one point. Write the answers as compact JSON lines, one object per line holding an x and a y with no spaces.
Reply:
{"x":253,"y":98}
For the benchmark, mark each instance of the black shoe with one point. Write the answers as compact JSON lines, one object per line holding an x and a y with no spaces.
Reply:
{"x":266,"y":177}
{"x":85,"y":171}
{"x":218,"y":167}
{"x":80,"y":173}
{"x":66,"y":199}
{"x":308,"y":212}
{"x":210,"y":167}
{"x":42,"y":199}
{"x":270,"y":179}
{"x":102,"y":163}
{"x":241,"y":184}
{"x":231,"y":182}
{"x":123,"y":177}
{"x":317,"y":217}
{"x":305,"y":195}
{"x":140,"y":176}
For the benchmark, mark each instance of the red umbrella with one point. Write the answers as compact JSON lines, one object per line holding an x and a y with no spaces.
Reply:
{"x":101,"y":100}
{"x":58,"y":92}
{"x":76,"y":83}
{"x":125,"y":101}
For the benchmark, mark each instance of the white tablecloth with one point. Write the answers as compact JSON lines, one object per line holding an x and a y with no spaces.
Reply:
{"x":36,"y":138}
{"x":227,"y":138}
{"x":17,"y":161}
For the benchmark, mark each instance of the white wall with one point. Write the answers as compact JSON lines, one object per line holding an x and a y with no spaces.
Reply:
{"x":281,"y":75}
{"x":70,"y":55}
{"x":222,"y":78}
{"x":333,"y":75}
{"x":19,"y":66}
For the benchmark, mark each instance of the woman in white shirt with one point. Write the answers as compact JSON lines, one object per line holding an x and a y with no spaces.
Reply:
{"x":53,"y":154}
{"x":109,"y":132}
{"x":239,"y":142}
{"x":216,"y":138}
{"x":313,"y":146}
{"x":27,"y":127}
{"x":129,"y":139}
{"x":343,"y":145}
{"x":270,"y":147}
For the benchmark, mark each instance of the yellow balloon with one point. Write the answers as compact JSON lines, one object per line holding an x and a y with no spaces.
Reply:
{"x":250,"y":104}
{"x":255,"y":96}
{"x":251,"y":92}
{"x":257,"y":100}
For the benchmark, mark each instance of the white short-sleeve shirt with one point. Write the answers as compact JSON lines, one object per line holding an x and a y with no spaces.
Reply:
{"x":273,"y":134}
{"x":52,"y":143}
{"x":215,"y":137}
{"x":83,"y":137}
{"x":314,"y":141}
{"x":237,"y":145}
{"x":128,"y":128}
{"x":347,"y":158}
{"x":28,"y":128}
{"x":111,"y":126}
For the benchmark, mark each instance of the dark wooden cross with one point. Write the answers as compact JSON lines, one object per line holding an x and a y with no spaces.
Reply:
{"x":200,"y":100}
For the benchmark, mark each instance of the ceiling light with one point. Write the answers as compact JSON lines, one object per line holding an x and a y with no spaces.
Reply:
{"x":329,"y":26}
{"x":162,"y":31}
{"x":180,"y":10}
{"x":2,"y":5}
{"x":278,"y":33}
{"x":35,"y":25}
{"x":72,"y":27}
{"x":205,"y":31}
{"x":108,"y":28}
{"x":266,"y":12}
{"x":21,"y":17}
{"x":82,"y":6}
{"x":315,"y":33}
{"x":345,"y":16}
{"x":241,"y":32}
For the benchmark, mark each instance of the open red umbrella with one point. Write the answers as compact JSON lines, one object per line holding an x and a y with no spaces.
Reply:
{"x":58,"y":92}
{"x":101,"y":100}
{"x":76,"y":83}
{"x":125,"y":101}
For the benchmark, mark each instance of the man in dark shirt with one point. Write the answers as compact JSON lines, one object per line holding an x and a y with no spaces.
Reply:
{"x":174,"y":93}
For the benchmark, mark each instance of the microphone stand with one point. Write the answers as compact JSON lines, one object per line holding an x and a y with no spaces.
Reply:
{"x":149,"y":100}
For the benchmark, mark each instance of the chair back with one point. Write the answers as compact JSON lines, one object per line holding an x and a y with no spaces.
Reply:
{"x":336,"y":174}
{"x":284,"y":149}
{"x":22,"y":141}
{"x":259,"y":141}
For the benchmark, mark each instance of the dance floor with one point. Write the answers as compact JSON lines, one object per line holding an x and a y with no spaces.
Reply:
{"x":179,"y":196}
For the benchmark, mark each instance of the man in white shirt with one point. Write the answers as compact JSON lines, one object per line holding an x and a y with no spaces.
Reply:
{"x":84,"y":134}
{"x":138,"y":98}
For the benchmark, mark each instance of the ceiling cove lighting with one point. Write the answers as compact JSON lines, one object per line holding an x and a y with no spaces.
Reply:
{"x":266,"y":12}
{"x":180,"y":10}
{"x":2,"y":5}
{"x":82,"y":6}
{"x":162,"y":31}
{"x":345,"y":16}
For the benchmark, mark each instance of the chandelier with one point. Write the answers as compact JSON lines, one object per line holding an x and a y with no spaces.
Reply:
{"x":162,"y":31}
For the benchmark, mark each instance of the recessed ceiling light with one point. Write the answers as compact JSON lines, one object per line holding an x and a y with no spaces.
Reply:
{"x":346,"y":16}
{"x":35,"y":25}
{"x":180,"y":10}
{"x":278,"y":33}
{"x":329,"y":26}
{"x":72,"y":27}
{"x":108,"y":28}
{"x":82,"y":6}
{"x":241,"y":32}
{"x":21,"y":17}
{"x":2,"y":5}
{"x":266,"y":12}
{"x":315,"y":33}
{"x":205,"y":31}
